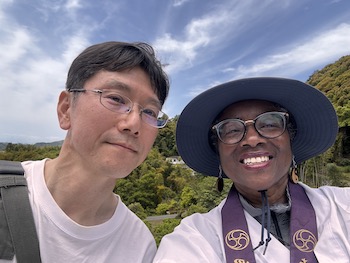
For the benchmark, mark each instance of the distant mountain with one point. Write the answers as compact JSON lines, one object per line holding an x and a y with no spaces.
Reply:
{"x":43,"y":144}
{"x":39,"y":144}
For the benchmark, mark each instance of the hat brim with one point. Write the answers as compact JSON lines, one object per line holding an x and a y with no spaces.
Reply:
{"x":315,"y":116}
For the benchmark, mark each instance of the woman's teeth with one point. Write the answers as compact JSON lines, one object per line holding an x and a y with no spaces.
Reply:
{"x":255,"y":160}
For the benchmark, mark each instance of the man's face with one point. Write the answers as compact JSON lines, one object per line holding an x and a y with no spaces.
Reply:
{"x":255,"y":163}
{"x":101,"y":139}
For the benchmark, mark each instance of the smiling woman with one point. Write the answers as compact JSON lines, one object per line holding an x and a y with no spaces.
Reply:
{"x":255,"y":132}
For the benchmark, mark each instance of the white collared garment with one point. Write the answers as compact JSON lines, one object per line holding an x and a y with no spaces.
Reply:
{"x":198,"y":239}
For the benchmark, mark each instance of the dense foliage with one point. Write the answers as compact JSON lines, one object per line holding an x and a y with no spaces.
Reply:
{"x":332,"y":167}
{"x":22,"y":152}
{"x":334,"y":81}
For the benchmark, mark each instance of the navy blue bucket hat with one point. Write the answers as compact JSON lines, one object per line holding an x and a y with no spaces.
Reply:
{"x":314,"y":115}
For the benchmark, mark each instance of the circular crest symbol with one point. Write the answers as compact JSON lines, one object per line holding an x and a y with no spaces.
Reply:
{"x":304,"y":240}
{"x":237,"y":239}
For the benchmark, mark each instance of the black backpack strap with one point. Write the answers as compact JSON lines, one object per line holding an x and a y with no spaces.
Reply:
{"x":18,"y":212}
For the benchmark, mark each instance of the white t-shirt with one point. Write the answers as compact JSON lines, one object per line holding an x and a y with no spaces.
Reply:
{"x":198,"y":239}
{"x":124,"y":238}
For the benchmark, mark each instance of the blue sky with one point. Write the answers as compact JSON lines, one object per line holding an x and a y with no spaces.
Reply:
{"x":204,"y":43}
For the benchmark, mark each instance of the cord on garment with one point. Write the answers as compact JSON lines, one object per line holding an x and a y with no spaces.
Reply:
{"x":265,"y":211}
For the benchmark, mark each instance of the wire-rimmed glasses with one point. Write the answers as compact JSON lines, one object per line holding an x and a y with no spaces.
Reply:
{"x":119,"y":103}
{"x":268,"y":125}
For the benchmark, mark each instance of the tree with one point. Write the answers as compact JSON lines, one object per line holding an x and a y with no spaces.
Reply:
{"x":166,"y":227}
{"x":165,"y":141}
{"x":188,"y":197}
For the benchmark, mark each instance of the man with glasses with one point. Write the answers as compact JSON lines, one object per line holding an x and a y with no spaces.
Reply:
{"x":255,"y":131}
{"x":111,"y":110}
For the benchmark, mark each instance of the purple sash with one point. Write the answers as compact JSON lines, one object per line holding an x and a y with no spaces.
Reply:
{"x":303,"y":229}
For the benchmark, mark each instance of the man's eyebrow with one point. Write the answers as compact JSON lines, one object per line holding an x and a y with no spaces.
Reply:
{"x":114,"y":84}
{"x":156,"y":103}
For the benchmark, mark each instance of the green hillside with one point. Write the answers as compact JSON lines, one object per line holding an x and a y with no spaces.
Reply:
{"x":334,"y":81}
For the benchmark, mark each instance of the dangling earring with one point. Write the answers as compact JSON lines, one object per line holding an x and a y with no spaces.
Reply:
{"x":220,"y":181}
{"x":294,"y":172}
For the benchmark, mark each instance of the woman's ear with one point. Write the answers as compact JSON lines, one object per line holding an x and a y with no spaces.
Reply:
{"x":63,"y":110}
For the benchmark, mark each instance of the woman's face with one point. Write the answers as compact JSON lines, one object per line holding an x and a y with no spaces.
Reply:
{"x":255,"y":163}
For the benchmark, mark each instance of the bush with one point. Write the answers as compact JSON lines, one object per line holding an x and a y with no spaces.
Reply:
{"x":166,"y":227}
{"x":194,"y":209}
{"x":169,"y":207}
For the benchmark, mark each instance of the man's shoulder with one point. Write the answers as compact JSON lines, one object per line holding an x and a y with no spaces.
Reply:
{"x":33,"y":166}
{"x":32,"y":162}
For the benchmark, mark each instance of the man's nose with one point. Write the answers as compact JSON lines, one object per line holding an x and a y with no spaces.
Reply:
{"x":131,"y":121}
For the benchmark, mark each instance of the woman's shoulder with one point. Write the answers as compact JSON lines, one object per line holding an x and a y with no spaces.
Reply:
{"x":328,"y":195}
{"x":326,"y":190}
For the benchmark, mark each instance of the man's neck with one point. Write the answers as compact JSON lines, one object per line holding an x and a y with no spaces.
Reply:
{"x":87,"y":199}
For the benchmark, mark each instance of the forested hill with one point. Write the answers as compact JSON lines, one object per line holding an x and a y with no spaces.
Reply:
{"x":334,"y":81}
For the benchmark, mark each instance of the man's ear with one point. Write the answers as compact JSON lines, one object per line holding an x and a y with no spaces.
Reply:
{"x":63,"y":110}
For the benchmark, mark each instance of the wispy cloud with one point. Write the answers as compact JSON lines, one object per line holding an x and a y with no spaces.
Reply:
{"x":213,"y":30}
{"x":312,"y":53}
{"x":205,"y":37}
{"x":179,"y":2}
{"x":73,"y":4}
{"x":34,"y":89}
{"x":179,"y":52}
{"x":34,"y":77}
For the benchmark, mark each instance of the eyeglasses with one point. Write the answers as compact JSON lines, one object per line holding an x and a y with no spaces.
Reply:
{"x":116,"y":102}
{"x":268,"y":125}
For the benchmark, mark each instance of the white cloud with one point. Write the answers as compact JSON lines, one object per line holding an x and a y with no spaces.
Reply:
{"x":14,"y":45}
{"x":180,"y":2}
{"x":73,"y":4}
{"x":313,"y":52}
{"x":73,"y":46}
{"x":35,"y":89}
{"x":31,"y":79}
{"x":179,"y":53}
{"x":215,"y":29}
